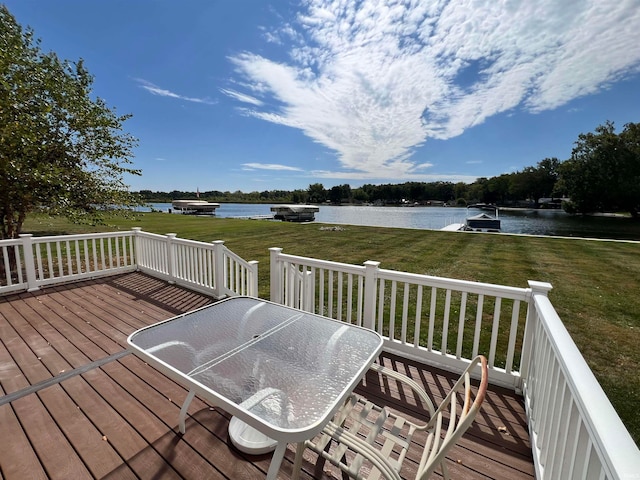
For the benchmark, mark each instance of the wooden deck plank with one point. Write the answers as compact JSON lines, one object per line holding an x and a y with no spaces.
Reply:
{"x":55,"y":352}
{"x":90,"y":445}
{"x":166,"y":411}
{"x":89,"y":324}
{"x":115,"y":431}
{"x":18,"y":459}
{"x":135,"y":408}
{"x":155,"y":416}
{"x":55,"y":453}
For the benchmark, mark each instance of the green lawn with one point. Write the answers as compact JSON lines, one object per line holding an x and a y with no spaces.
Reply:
{"x":596,"y":283}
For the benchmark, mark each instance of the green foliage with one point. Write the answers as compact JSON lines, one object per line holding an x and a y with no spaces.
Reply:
{"x":317,"y":193}
{"x":60,"y":150}
{"x":603,"y":173}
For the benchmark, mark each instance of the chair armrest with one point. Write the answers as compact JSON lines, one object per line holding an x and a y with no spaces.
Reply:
{"x":415,"y":386}
{"x":361,"y":447}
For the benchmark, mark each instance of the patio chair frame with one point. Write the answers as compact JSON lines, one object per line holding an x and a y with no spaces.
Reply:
{"x":371,"y":442}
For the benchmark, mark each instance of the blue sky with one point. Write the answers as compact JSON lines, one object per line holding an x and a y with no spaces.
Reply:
{"x":257,"y":95}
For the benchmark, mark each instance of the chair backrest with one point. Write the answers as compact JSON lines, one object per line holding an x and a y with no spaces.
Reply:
{"x":459,"y":416}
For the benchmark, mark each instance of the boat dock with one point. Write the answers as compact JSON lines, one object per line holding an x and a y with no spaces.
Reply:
{"x":295,"y":213}
{"x":195,"y":207}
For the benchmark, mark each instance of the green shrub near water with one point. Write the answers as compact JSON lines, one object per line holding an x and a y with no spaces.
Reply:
{"x":595,"y":283}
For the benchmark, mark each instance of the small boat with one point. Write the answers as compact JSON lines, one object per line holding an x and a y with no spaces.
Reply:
{"x":295,"y":213}
{"x":195,"y":207}
{"x":482,"y":222}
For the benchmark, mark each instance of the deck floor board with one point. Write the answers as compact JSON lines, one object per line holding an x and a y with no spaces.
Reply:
{"x":120,"y":419}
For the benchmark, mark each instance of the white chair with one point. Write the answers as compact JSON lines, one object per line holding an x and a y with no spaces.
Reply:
{"x":371,"y":442}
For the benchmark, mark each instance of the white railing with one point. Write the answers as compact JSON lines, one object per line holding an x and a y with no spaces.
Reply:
{"x":575,"y":431}
{"x":56,"y":259}
{"x":13,"y":275}
{"x":443,"y":321}
{"x":29,"y":263}
{"x":210,"y":268}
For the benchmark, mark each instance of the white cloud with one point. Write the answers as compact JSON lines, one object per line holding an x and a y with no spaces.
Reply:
{"x":269,"y":166}
{"x":155,"y":90}
{"x":373,"y":177}
{"x":241,"y":97}
{"x":373,"y":80}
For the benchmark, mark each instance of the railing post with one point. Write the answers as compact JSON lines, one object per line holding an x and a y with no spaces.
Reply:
{"x":171,"y":257}
{"x":218,"y":268}
{"x":307,"y":291}
{"x":29,"y":263}
{"x":275,"y":282}
{"x":370,"y":282}
{"x":253,"y":281}
{"x":136,"y":245}
{"x":536,"y":288}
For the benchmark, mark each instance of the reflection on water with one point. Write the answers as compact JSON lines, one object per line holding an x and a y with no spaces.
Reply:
{"x":532,"y":222}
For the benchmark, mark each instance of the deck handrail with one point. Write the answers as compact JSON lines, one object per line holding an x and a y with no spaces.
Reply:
{"x":209,"y":268}
{"x":29,"y":263}
{"x":393,"y":302}
{"x":575,"y":431}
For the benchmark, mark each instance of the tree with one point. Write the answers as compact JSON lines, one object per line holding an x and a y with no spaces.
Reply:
{"x":60,"y":150}
{"x":317,"y":193}
{"x":603,"y":173}
{"x":533,"y":183}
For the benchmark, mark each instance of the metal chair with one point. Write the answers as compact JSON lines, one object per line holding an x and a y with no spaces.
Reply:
{"x":371,"y":442}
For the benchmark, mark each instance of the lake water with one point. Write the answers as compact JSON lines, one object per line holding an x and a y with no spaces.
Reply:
{"x":532,"y":222}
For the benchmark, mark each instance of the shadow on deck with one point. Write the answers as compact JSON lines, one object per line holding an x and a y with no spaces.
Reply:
{"x":76,"y":405}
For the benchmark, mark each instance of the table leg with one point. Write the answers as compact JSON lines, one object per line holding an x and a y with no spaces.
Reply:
{"x":183,"y":410}
{"x":276,"y":461}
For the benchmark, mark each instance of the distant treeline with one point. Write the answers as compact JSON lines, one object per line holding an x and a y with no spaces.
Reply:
{"x":603,"y":174}
{"x":520,"y":188}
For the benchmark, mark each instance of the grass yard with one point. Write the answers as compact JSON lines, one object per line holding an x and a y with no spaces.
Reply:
{"x":596,"y":283}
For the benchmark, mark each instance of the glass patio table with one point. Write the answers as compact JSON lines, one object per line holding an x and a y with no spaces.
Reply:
{"x":281,"y":372}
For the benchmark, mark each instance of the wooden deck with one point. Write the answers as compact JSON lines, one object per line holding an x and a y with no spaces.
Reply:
{"x":74,"y":404}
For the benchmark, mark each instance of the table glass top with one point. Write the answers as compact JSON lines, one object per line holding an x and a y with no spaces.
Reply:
{"x":283,"y":365}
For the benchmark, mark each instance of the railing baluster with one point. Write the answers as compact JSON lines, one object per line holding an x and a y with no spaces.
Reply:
{"x":79,"y":257}
{"x":432,"y":318}
{"x":445,"y":322}
{"x":339,"y":300}
{"x":49,"y":260}
{"x":312,"y":293}
{"x":330,"y":287}
{"x":392,"y":310}
{"x":360,"y":300}
{"x":94,"y":248}
{"x":416,"y":332}
{"x":563,"y":422}
{"x":87,"y":266}
{"x":461,"y":318}
{"x":102,"y":259}
{"x":494,"y":332}
{"x":478,"y":328}
{"x":381,"y":286}
{"x":405,"y":313}
{"x":349,"y":297}
{"x":321,"y":295}
{"x":39,"y":267}
{"x":513,"y":333}
{"x":110,"y":250}
{"x":7,"y":268}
